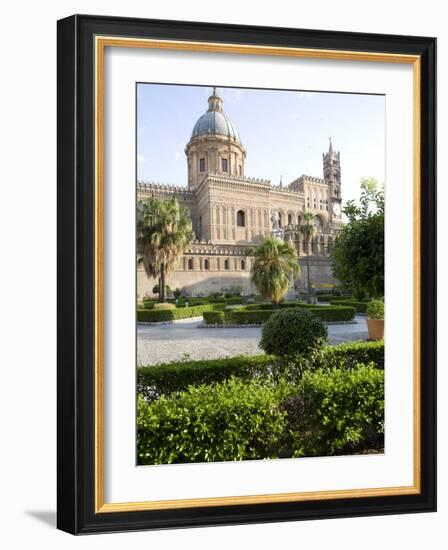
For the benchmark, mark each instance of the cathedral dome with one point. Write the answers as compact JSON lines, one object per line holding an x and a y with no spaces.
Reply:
{"x":215,"y":121}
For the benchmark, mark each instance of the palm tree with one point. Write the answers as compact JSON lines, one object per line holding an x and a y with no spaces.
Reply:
{"x":163,"y":232}
{"x":275,"y":262}
{"x":307,"y":229}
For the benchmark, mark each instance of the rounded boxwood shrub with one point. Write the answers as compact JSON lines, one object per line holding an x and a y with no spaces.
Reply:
{"x":292,"y":331}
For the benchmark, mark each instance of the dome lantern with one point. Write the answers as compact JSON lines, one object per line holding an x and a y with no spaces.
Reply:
{"x":215,"y":121}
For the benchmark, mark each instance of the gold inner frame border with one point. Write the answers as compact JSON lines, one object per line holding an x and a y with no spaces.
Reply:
{"x":101,"y":42}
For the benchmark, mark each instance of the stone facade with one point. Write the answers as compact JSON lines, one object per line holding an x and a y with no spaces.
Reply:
{"x":231,"y":212}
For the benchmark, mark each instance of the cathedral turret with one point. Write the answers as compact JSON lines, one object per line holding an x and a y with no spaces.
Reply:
{"x":332,"y":165}
{"x":332,"y":175}
{"x":215,"y":145}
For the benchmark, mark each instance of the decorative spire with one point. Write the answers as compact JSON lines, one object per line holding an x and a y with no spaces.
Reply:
{"x":214,"y":101}
{"x":281,"y":182}
{"x":330,"y":150}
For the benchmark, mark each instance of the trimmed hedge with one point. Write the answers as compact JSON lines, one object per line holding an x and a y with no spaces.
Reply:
{"x":213,"y":317}
{"x":243,"y":317}
{"x":156,"y":316}
{"x":167,"y":378}
{"x":326,"y":413}
{"x":163,"y":306}
{"x":348,"y":355}
{"x":257,"y":314}
{"x":324,"y":297}
{"x":233,"y":301}
{"x":360,"y":306}
{"x":198,"y":301}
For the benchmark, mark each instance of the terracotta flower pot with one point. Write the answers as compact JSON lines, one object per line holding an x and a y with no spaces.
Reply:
{"x":375,"y":329}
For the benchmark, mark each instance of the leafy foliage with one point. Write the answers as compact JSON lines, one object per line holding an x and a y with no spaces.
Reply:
{"x":336,"y":412}
{"x":358,"y":252}
{"x":177,"y":293}
{"x":347,"y":355}
{"x":273,"y":265}
{"x":325,"y":413}
{"x":375,"y":309}
{"x":292,"y":331}
{"x":234,"y":420}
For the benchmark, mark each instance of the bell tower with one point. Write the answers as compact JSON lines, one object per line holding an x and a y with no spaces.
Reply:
{"x":332,"y":176}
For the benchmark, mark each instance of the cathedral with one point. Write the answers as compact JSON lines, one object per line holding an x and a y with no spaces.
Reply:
{"x":232,"y":212}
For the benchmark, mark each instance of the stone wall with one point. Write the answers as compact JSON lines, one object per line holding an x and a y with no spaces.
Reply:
{"x":321,"y":272}
{"x":202,"y":283}
{"x":198,"y":283}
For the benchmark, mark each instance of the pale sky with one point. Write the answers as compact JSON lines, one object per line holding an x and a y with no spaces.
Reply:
{"x":284,"y":132}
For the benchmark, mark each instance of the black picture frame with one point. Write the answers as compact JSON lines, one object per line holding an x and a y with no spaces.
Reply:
{"x":76,"y":256}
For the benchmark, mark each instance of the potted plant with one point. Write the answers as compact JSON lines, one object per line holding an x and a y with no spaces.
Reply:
{"x":375,"y":319}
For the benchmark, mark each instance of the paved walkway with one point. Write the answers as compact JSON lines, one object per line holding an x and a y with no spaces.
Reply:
{"x":183,"y":339}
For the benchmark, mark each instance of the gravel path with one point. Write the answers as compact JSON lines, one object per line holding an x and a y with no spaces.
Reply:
{"x":183,"y":339}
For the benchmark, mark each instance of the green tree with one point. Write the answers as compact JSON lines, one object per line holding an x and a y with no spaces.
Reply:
{"x":307,"y":229}
{"x":163,"y":232}
{"x":358,"y":251}
{"x":275,"y":261}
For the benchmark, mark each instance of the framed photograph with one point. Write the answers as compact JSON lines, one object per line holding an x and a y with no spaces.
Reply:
{"x":246,"y":274}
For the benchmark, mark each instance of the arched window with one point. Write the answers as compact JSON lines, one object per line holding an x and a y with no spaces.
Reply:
{"x":206,"y":264}
{"x":190,"y":263}
{"x":243,"y":264}
{"x":279,"y":219}
{"x":289,"y":219}
{"x":240,"y":218}
{"x":226,"y":264}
